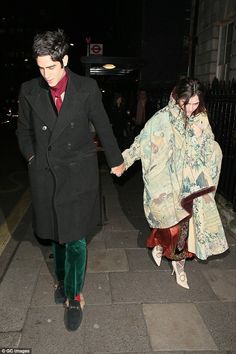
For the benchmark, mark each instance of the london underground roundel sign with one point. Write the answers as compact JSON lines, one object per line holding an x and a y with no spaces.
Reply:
{"x":96,"y":48}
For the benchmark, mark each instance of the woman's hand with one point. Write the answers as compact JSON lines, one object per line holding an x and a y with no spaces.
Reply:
{"x":118,"y":170}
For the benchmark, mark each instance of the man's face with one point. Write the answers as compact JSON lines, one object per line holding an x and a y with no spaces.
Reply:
{"x":52,"y":71}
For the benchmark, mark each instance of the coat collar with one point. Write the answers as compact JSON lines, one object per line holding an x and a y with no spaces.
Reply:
{"x":178,"y":118}
{"x":44,"y":105}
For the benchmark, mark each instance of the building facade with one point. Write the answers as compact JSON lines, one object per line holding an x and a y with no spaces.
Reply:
{"x":213,"y":35}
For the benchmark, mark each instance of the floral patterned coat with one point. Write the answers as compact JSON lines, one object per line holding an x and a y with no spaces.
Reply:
{"x":181,"y":161}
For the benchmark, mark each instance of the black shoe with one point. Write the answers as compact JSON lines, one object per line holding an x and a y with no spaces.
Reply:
{"x":73,"y":315}
{"x":59,"y":293}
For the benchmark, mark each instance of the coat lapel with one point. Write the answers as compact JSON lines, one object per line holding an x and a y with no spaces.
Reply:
{"x":46,"y":111}
{"x":43,"y":106}
{"x":73,"y":101}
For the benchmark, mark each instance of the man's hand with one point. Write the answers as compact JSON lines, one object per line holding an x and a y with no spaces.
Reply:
{"x":118,"y":170}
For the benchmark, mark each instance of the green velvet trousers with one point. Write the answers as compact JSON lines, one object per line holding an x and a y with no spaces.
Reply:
{"x":69,"y":265}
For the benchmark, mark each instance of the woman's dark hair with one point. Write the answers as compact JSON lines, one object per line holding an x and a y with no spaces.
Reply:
{"x":53,"y":43}
{"x":187,"y":88}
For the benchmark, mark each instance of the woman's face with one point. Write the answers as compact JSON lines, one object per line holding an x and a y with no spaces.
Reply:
{"x":191,"y":106}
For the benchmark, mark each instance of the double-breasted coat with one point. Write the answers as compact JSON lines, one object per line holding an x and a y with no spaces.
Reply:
{"x":63,"y":174}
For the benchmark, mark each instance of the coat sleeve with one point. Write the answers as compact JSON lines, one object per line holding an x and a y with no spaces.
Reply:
{"x":100,"y":120}
{"x":25,"y":132}
{"x":142,"y":146}
{"x":133,"y":153}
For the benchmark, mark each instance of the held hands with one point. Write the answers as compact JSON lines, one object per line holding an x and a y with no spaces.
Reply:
{"x":118,"y":170}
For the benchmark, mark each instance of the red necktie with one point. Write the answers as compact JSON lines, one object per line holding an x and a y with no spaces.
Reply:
{"x":57,"y":91}
{"x":58,"y":102}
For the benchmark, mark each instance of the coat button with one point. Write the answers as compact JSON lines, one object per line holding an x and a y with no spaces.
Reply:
{"x":49,"y":148}
{"x":44,"y":127}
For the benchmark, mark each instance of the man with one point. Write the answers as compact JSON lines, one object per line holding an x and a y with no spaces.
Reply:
{"x":144,"y":110}
{"x":55,"y":114}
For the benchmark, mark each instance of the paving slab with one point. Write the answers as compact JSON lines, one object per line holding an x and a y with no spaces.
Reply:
{"x":43,"y":294}
{"x":112,"y":208}
{"x":47,"y":268}
{"x":141,"y":260}
{"x":10,"y":339}
{"x":97,"y":289}
{"x":28,"y":250}
{"x":44,"y":332}
{"x":213,"y":262}
{"x":231,"y":239}
{"x":115,"y":328}
{"x":127,"y":353}
{"x":46,"y":250}
{"x":29,"y":234}
{"x":220,"y":319}
{"x":170,"y":352}
{"x":223,"y":283}
{"x":121,"y":239}
{"x":108,"y":260}
{"x":13,"y":243}
{"x":158,"y":287}
{"x":177,"y":327}
{"x":198,"y":352}
{"x":226,"y":260}
{"x":119,"y":223}
{"x":97,"y":241}
{"x":16,"y":291}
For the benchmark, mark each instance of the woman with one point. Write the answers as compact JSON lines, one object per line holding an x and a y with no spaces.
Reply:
{"x":181,"y":164}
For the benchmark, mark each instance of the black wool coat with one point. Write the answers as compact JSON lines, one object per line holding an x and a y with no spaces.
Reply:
{"x":63,"y":174}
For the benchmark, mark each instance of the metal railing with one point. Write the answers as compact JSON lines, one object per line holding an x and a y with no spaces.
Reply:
{"x":222,"y":116}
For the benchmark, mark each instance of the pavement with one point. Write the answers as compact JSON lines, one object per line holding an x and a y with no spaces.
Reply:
{"x":132,"y":306}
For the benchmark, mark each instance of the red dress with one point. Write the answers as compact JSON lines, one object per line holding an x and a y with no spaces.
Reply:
{"x":174,"y":241}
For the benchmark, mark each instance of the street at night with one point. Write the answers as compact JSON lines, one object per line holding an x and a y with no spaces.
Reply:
{"x":118,"y":178}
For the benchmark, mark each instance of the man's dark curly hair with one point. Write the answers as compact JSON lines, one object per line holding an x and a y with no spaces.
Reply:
{"x":53,"y":43}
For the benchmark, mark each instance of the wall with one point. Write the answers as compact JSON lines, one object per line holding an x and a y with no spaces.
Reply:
{"x":212,"y":14}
